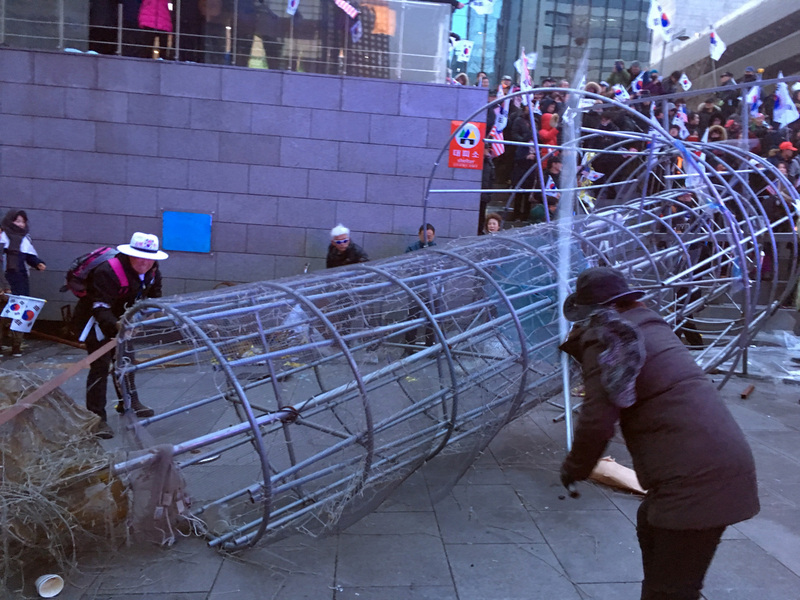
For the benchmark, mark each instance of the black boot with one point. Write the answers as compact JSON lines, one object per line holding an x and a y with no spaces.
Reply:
{"x":139,"y":409}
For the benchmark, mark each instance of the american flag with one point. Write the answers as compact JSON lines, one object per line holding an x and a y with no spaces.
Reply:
{"x":497,"y":149}
{"x":348,"y":8}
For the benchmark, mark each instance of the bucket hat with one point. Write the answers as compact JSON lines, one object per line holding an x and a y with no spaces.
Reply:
{"x":143,"y":245}
{"x":596,"y":287}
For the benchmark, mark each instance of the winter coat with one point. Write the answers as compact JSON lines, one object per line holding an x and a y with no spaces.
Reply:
{"x":107,"y":299}
{"x":18,"y":254}
{"x":154,"y":14}
{"x":687,"y":450}
{"x":548,"y":134}
{"x":353,"y":254}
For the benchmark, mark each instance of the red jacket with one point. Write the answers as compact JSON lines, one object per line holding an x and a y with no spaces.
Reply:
{"x":548,"y":134}
{"x":155,"y":14}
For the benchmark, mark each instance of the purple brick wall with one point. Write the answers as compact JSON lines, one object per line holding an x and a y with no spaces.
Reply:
{"x":97,"y":147}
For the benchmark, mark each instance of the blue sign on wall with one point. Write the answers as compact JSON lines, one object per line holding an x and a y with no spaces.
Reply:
{"x":186,"y":232}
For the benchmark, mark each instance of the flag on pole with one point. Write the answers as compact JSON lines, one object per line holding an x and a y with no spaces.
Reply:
{"x":496,"y":148}
{"x":636,"y":84}
{"x":685,"y":83}
{"x":658,"y":20}
{"x":524,"y":64}
{"x":524,"y":69}
{"x":482,"y":7}
{"x":22,"y":310}
{"x":753,"y":98}
{"x":784,"y":111}
{"x":679,"y":123}
{"x":463,"y":50}
{"x":350,"y":10}
{"x":356,"y":31}
{"x":653,"y":16}
{"x":666,"y":27}
{"x":620,"y":93}
{"x":291,"y":6}
{"x":716,"y":46}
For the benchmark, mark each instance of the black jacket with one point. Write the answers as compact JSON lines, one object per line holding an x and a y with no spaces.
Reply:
{"x":687,"y":450}
{"x":353,"y":254}
{"x":107,"y":299}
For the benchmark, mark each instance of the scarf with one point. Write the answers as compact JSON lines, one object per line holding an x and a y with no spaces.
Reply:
{"x":622,"y":356}
{"x":15,"y":239}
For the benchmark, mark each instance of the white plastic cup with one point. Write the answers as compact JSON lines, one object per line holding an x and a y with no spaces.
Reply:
{"x":49,"y":585}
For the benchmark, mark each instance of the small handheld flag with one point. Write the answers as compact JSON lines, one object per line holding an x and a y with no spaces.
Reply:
{"x":356,"y":31}
{"x":620,"y":93}
{"x":463,"y":50}
{"x":685,"y":83}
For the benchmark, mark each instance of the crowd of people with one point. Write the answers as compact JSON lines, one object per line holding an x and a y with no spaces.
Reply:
{"x":716,"y":118}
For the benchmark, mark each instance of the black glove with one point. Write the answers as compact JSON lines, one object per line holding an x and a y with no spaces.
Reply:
{"x":566,"y":479}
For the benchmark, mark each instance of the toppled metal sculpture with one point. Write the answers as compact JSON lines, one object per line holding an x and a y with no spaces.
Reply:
{"x":300,"y":404}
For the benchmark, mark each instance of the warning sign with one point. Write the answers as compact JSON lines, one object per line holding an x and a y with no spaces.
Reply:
{"x":466,"y":147}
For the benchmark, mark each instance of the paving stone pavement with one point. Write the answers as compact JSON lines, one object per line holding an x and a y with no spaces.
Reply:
{"x":502,"y":533}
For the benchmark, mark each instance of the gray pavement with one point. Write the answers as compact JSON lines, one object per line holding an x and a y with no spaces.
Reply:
{"x":501,"y":533}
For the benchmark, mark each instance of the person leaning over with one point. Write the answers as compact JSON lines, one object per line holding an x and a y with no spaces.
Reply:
{"x":687,"y":450}
{"x":343,"y":251}
{"x":108,"y":295}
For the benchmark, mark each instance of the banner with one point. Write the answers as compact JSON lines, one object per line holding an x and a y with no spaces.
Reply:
{"x":22,"y":310}
{"x":291,"y":6}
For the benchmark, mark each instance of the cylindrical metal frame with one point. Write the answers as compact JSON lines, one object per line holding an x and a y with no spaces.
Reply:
{"x":300,"y":404}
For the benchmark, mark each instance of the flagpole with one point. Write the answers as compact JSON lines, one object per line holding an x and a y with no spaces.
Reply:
{"x":483,"y":49}
{"x":714,"y":72}
{"x":291,"y":41}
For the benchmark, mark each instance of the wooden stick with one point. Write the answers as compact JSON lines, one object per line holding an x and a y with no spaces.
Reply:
{"x":747,"y":391}
{"x":12,"y":411}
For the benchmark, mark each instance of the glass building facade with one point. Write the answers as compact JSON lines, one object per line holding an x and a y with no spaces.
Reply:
{"x":559,"y":31}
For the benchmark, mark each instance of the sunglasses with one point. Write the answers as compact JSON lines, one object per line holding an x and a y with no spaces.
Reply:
{"x":344,"y":241}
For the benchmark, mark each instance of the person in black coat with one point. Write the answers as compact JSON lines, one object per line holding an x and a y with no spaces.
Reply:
{"x":687,"y":450}
{"x":343,"y":251}
{"x":111,"y":288}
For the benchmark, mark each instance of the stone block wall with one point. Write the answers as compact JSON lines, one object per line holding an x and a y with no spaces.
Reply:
{"x":97,"y":147}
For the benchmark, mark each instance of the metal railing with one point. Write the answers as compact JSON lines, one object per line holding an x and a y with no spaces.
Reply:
{"x":402,"y":40}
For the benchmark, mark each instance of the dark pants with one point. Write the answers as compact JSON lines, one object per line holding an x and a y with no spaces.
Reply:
{"x":415,"y":312}
{"x":97,"y":379}
{"x":675,"y":561}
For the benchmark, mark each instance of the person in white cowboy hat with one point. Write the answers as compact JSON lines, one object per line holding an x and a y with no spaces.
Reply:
{"x":112,"y":287}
